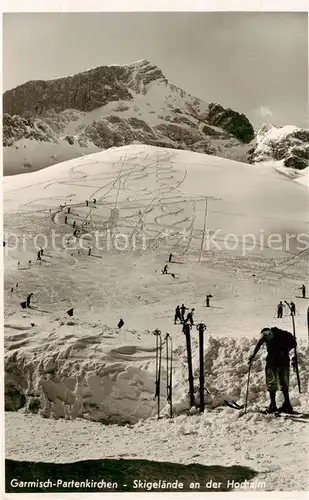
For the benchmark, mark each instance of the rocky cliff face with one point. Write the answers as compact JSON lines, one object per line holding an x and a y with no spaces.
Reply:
{"x":117,"y":105}
{"x":84,"y":92}
{"x":289,"y":144}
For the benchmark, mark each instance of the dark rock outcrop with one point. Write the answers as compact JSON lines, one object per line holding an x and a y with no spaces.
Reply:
{"x":235,"y":123}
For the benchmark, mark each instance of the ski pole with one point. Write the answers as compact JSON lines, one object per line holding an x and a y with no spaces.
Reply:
{"x":169,"y":368}
{"x":308,"y":322}
{"x":186,"y":331}
{"x":171,"y":379}
{"x":247,"y":391}
{"x":157,"y":333}
{"x":295,"y":348}
{"x":201,"y":328}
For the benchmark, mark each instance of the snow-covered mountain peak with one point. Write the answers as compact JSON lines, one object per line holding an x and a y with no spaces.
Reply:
{"x":288,"y":143}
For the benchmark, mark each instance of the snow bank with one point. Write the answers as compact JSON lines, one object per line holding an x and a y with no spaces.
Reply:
{"x":79,"y":376}
{"x":72,"y":376}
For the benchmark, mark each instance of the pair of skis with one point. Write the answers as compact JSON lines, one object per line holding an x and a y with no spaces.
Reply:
{"x":201,"y":327}
{"x":169,"y":370}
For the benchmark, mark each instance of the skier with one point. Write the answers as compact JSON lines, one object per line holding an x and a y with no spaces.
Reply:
{"x":28,"y":299}
{"x":89,"y":251}
{"x":41,"y":251}
{"x":277,"y":369}
{"x":69,"y":210}
{"x":165,"y":269}
{"x":170,"y":257}
{"x":190,"y":317}
{"x":121,"y":323}
{"x":207,"y":300}
{"x":74,"y":224}
{"x":94,"y":201}
{"x":39,"y":255}
{"x":86,"y":203}
{"x":293,"y":308}
{"x":177,"y":315}
{"x":303,"y":289}
{"x":183,"y":311}
{"x":66,"y":219}
{"x":280,"y":309}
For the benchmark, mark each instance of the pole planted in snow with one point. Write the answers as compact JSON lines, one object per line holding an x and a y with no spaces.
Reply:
{"x":201,"y":327}
{"x":308,"y":323}
{"x":157,"y":333}
{"x":295,"y":348}
{"x":169,"y":371}
{"x":186,"y":331}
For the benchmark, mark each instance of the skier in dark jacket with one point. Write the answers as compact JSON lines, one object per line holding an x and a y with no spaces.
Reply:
{"x":189,"y":317}
{"x":303,"y":290}
{"x":292,"y":308}
{"x":29,"y":299}
{"x":170,"y":257}
{"x":177,"y":315}
{"x":280,"y":307}
{"x":165,"y":269}
{"x":208,"y":297}
{"x":277,"y":369}
{"x":183,"y":312}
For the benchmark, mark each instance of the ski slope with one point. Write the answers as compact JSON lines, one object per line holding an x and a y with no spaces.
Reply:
{"x":85,"y":367}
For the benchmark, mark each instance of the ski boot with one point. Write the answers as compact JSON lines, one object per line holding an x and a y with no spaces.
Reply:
{"x":286,"y":408}
{"x":272,"y":408}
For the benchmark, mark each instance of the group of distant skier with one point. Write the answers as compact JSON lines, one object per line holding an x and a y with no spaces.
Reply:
{"x":180,"y":315}
{"x":292,"y":306}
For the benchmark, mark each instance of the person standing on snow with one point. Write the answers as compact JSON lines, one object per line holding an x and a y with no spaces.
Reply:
{"x":189,"y":317}
{"x":165,"y":269}
{"x":303,"y":289}
{"x":208,"y":300}
{"x":280,"y":307}
{"x":277,"y":369}
{"x":29,"y":299}
{"x":177,"y":315}
{"x":292,"y":308}
{"x":183,"y":312}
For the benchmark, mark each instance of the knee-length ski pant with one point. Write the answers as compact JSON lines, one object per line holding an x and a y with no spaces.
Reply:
{"x":277,"y":375}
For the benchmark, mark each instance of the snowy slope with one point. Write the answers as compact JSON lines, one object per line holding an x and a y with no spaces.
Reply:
{"x":85,"y":367}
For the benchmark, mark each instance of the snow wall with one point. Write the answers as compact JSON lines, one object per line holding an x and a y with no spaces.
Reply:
{"x":118,"y":386}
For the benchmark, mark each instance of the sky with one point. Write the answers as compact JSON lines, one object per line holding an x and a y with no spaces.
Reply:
{"x":253,"y":62}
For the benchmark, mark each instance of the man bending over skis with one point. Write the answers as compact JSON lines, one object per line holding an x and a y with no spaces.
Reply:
{"x":277,"y":369}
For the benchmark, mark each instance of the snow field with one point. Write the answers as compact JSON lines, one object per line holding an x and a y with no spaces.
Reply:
{"x":84,"y":372}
